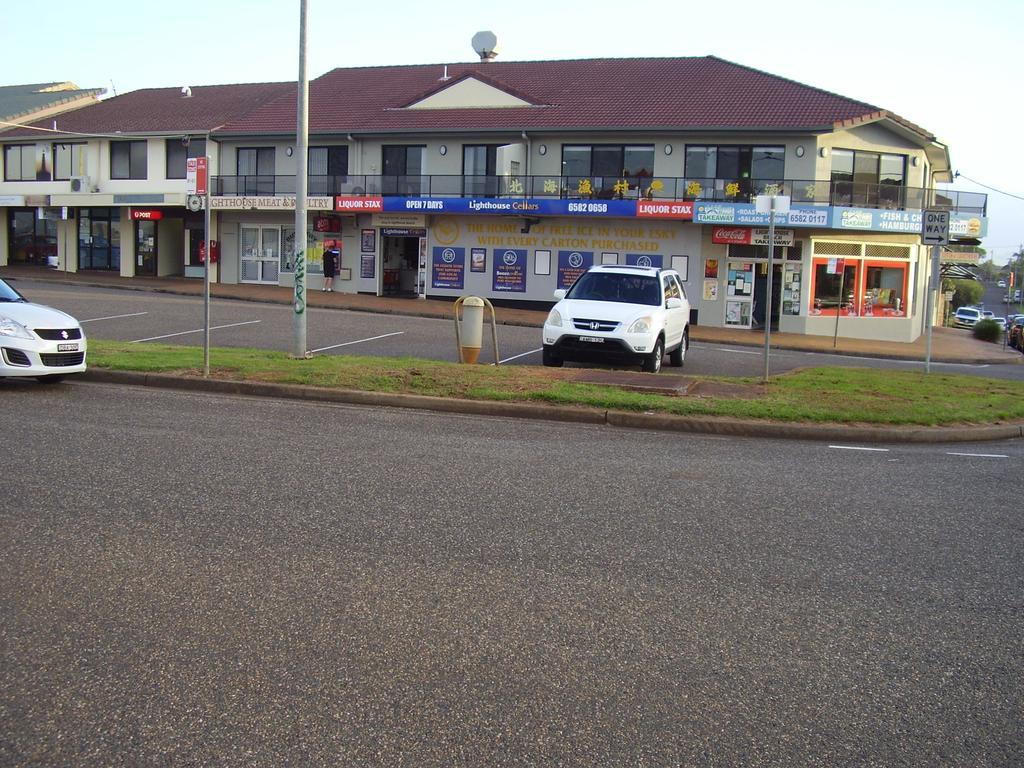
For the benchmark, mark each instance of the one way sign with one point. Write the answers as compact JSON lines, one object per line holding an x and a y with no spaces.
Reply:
{"x":935,"y":228}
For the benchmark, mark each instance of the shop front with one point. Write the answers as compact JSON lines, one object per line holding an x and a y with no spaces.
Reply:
{"x":31,"y":237}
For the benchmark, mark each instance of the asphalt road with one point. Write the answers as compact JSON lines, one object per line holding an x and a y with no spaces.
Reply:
{"x":145,"y":317}
{"x":215,"y":580}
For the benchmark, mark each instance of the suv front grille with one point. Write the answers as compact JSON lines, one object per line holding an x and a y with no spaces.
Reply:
{"x":584,"y":324}
{"x":62,"y":359}
{"x":56,"y":334}
{"x":16,"y":357}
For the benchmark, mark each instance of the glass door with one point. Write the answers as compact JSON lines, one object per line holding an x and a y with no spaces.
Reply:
{"x":145,"y":248}
{"x":260,"y":254}
{"x":739,"y":294}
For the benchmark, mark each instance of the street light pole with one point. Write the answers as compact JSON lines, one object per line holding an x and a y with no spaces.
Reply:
{"x":771,"y":277}
{"x":299,"y":349}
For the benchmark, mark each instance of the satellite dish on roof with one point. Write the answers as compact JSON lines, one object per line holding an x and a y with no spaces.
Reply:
{"x":486,"y":45}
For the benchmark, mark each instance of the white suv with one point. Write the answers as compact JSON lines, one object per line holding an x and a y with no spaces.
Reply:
{"x":620,"y":314}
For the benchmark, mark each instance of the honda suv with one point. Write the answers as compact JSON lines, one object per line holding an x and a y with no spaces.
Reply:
{"x":622,"y":315}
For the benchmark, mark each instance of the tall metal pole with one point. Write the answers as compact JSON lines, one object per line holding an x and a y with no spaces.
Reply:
{"x":771,"y":277}
{"x":206,"y":263}
{"x":929,"y":306}
{"x":301,"y":146}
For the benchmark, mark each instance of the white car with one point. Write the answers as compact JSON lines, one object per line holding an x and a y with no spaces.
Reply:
{"x":966,"y":317}
{"x":622,"y":315}
{"x":38,"y":341}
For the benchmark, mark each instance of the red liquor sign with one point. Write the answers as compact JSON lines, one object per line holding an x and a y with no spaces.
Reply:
{"x":664,"y":209}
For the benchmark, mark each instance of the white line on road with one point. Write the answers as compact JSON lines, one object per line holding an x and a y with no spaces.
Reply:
{"x":979,"y":455}
{"x":197,"y":330}
{"x":739,"y":351}
{"x":516,"y":357}
{"x":113,"y":317}
{"x":858,"y":448}
{"x":357,"y":341}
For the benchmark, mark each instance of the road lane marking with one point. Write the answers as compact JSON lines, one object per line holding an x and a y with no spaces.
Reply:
{"x":979,"y":455}
{"x":112,"y":317}
{"x":516,"y":357}
{"x":858,"y":448}
{"x":197,"y":330}
{"x":739,"y":351}
{"x":357,"y":341}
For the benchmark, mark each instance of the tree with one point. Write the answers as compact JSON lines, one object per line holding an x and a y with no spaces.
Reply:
{"x":965,"y":292}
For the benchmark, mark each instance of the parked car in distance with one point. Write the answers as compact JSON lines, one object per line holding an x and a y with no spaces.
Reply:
{"x":987,"y":314}
{"x":1001,"y":322}
{"x":966,"y":317}
{"x":1016,"y":295}
{"x":37,"y":341}
{"x":1001,"y":284}
{"x":626,"y":315}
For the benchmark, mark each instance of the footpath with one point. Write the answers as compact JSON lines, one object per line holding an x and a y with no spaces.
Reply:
{"x":949,"y":345}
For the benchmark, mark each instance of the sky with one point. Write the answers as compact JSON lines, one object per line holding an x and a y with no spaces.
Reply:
{"x":953,"y":68}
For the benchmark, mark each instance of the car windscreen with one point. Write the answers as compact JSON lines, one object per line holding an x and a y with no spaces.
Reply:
{"x":612,"y":286}
{"x":7,"y":293}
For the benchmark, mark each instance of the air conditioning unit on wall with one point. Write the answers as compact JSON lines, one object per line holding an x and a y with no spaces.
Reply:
{"x":81,"y":184}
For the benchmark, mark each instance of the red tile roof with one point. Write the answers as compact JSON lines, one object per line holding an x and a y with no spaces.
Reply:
{"x":163,"y":110}
{"x":699,"y":93}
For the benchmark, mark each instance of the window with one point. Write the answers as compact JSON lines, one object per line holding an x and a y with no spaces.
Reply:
{"x":99,"y":238}
{"x":871,"y":179}
{"x":328,"y":161}
{"x":20,"y":162}
{"x":68,"y":161}
{"x":835,"y":287}
{"x":732,"y":171}
{"x":885,"y":289}
{"x":255,"y":170}
{"x":479,"y":170}
{"x":403,"y":167}
{"x":599,"y":169}
{"x":31,"y":240}
{"x":128,"y":160}
{"x":323,"y":165}
{"x":178,"y":151}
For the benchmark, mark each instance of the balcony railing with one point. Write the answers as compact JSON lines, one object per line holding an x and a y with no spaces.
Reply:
{"x":801,"y":192}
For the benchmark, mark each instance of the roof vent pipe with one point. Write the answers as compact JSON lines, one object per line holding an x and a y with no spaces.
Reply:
{"x":445,"y":76}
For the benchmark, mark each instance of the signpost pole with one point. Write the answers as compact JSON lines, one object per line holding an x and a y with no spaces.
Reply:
{"x":301,"y":151}
{"x":206,"y":273}
{"x":771,"y":277}
{"x":934,"y":232}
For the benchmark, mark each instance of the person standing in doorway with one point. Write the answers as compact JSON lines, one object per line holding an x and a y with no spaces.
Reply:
{"x":331,"y":257}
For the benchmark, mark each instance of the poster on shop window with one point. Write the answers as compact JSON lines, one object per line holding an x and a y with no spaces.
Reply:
{"x":572,"y":264}
{"x":449,"y":268}
{"x":509,"y":270}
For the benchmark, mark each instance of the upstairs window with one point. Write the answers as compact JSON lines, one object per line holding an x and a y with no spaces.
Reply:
{"x":870,"y":179}
{"x":128,"y":160}
{"x":178,"y":153}
{"x":255,"y":168}
{"x":68,"y":161}
{"x":20,"y":162}
{"x":328,"y":161}
{"x":733,"y":163}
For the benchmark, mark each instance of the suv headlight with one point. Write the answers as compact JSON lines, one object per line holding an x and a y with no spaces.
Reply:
{"x":13,"y":329}
{"x":554,"y":318}
{"x":641,"y":325}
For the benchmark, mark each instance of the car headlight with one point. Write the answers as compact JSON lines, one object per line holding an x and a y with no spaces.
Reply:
{"x":554,"y":318}
{"x":13,"y":329}
{"x":641,"y":325}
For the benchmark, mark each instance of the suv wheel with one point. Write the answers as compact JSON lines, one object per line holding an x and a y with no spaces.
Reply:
{"x":652,"y":363}
{"x":550,"y":359}
{"x":677,"y":357}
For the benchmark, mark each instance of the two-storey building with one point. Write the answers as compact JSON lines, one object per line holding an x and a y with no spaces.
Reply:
{"x":508,"y":179}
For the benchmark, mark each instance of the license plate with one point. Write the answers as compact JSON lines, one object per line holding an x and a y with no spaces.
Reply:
{"x":593,"y":339}
{"x":67,"y":347}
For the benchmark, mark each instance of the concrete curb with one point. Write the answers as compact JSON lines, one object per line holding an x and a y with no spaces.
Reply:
{"x":579,"y":415}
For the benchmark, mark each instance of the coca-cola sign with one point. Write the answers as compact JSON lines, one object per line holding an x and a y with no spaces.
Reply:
{"x":746,"y":236}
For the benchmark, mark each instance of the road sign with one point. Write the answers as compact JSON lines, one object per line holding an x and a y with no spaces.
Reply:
{"x":935,"y":228}
{"x":195,"y":175}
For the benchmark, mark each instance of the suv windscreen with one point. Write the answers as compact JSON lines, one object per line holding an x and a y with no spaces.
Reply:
{"x":7,"y":293}
{"x":611,"y":286}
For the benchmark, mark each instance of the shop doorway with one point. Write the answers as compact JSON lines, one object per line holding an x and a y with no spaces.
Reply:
{"x":145,"y":248}
{"x":260,"y":252}
{"x":400,"y":270}
{"x":761,"y":295}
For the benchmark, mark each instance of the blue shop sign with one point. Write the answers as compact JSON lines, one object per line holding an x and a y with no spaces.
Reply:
{"x":449,"y":268}
{"x":509,"y":270}
{"x":746,"y":214}
{"x":512,"y":207}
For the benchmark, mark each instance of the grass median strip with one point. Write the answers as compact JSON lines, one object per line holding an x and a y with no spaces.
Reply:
{"x":832,"y":394}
